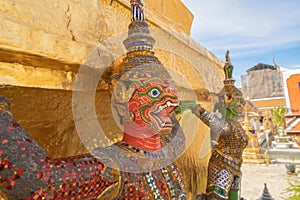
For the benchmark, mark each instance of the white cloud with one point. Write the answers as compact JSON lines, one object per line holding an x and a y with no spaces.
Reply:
{"x":244,"y":25}
{"x":296,"y":66}
{"x":253,"y":30}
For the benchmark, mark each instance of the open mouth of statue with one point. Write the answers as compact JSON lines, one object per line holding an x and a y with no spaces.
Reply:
{"x":160,"y":117}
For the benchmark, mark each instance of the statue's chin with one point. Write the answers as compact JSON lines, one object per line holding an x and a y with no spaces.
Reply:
{"x":137,"y":130}
{"x":163,"y":131}
{"x":161,"y":127}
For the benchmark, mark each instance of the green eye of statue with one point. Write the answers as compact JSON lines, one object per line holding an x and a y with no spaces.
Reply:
{"x":154,"y":93}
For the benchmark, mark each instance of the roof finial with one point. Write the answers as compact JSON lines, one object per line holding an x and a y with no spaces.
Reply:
{"x":277,"y":67}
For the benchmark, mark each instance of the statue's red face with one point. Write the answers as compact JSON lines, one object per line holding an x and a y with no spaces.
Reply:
{"x":152,"y":103}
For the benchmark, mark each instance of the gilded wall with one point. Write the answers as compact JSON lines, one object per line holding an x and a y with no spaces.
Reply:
{"x":43,"y":43}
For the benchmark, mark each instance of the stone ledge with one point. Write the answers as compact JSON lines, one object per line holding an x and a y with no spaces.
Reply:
{"x":15,"y":74}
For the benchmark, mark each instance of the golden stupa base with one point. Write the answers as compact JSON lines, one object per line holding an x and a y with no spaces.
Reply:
{"x":252,"y":150}
{"x":296,"y":139}
{"x":253,"y":156}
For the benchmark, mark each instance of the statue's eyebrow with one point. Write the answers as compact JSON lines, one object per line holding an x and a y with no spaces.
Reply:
{"x":156,"y":79}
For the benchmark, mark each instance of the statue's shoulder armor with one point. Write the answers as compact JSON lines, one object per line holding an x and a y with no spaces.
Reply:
{"x":111,"y":172}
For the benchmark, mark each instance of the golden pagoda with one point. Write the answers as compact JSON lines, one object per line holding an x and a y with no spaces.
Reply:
{"x":252,"y":153}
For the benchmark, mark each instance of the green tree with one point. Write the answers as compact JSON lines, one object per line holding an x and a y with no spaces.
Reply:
{"x":278,"y":118}
{"x":294,"y":187}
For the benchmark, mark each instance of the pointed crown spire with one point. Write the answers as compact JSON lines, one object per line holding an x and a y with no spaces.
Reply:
{"x":229,"y":91}
{"x":228,"y":70}
{"x":137,"y":10}
{"x":139,"y":38}
{"x":140,"y":61}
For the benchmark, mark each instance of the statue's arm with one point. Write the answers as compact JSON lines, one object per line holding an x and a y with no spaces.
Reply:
{"x":217,"y":125}
{"x":27,"y":172}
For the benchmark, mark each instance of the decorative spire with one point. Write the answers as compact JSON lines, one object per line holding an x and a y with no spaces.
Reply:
{"x":228,"y":70}
{"x":279,"y":72}
{"x":277,"y":67}
{"x":266,"y":195}
{"x":227,"y":57}
{"x":230,"y":93}
{"x":137,"y":10}
{"x":247,"y":125}
{"x":140,"y":61}
{"x":139,"y":38}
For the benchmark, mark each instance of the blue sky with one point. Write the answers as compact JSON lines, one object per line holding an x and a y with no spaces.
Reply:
{"x":254,"y":31}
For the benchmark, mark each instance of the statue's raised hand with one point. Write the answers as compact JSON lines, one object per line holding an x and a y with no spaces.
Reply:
{"x":186,"y":105}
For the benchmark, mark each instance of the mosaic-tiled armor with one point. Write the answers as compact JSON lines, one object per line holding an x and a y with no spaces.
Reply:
{"x":28,"y":173}
{"x":164,"y":182}
{"x":226,"y":159}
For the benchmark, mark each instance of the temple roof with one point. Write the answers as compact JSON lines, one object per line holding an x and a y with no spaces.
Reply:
{"x":293,"y":126}
{"x":261,"y":66}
